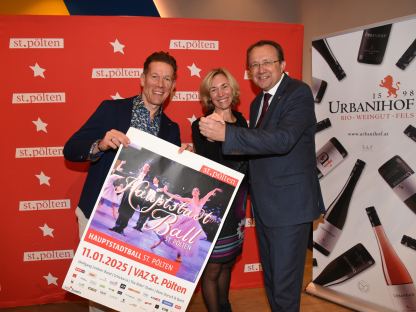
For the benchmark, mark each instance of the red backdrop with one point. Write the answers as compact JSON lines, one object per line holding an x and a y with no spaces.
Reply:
{"x":48,"y":89}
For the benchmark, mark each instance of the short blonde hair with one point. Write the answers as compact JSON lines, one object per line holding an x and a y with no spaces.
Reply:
{"x":206,"y":85}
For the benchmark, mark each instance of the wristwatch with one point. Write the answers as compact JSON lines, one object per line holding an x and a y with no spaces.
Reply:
{"x":96,"y":156}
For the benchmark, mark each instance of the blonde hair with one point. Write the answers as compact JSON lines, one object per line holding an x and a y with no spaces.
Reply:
{"x":206,"y":85}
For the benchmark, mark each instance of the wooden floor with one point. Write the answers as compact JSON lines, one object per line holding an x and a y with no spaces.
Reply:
{"x":253,"y":299}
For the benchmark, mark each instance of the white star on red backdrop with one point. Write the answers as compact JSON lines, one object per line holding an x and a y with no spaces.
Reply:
{"x":117,"y":46}
{"x":43,"y":179}
{"x":37,"y":70}
{"x":194,"y":70}
{"x":117,"y":96}
{"x":47,"y":231}
{"x":51,"y":279}
{"x":192,"y":119}
{"x":40,"y":125}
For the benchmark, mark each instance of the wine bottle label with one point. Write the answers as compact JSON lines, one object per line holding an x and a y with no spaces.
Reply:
{"x":404,"y":297}
{"x":328,"y":158}
{"x":373,"y":44}
{"x":326,"y":235}
{"x":406,"y":188}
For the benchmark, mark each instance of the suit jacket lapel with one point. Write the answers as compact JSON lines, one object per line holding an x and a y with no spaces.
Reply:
{"x":254,"y":109}
{"x":126,"y":110}
{"x":164,"y":129}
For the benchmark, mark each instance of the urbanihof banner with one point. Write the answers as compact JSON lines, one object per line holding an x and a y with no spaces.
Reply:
{"x":365,"y":245}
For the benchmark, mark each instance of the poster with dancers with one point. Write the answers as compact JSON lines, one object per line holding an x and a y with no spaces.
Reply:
{"x":153,"y":227}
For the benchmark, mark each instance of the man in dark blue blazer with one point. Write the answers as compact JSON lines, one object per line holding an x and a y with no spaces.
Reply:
{"x":285,"y":190}
{"x":98,"y":139}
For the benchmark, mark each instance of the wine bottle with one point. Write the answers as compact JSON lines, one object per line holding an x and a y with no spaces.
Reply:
{"x":373,"y":44}
{"x":398,"y":279}
{"x":410,"y":131}
{"x":323,"y":124}
{"x":328,"y":232}
{"x":402,"y":179}
{"x":407,"y":56}
{"x":409,"y":242}
{"x":324,"y":49}
{"x":329,"y":156}
{"x":352,"y":262}
{"x":318,"y":89}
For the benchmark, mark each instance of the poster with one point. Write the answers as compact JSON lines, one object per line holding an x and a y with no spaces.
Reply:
{"x":60,"y":66}
{"x":158,"y":265}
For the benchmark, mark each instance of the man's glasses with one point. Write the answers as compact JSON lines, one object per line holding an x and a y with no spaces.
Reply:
{"x":265,"y":64}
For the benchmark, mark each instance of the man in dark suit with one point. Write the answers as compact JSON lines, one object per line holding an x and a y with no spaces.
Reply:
{"x":99,"y":138}
{"x":285,"y":191}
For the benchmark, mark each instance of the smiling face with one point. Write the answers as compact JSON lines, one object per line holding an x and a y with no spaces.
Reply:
{"x":157,"y":84}
{"x":265,"y":66}
{"x":221,"y":93}
{"x":220,"y":86}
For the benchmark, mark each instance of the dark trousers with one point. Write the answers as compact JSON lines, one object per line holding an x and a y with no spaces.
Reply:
{"x":282,"y":253}
{"x":141,"y":220}
{"x":125,"y":212}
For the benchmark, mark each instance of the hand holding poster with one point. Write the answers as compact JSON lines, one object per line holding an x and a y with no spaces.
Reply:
{"x":153,"y":227}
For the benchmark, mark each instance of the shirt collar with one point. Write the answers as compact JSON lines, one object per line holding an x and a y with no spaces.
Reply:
{"x":273,"y":90}
{"x":138,"y":103}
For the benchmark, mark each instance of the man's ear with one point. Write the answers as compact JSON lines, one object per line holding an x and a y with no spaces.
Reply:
{"x":142,"y":80}
{"x":282,"y":66}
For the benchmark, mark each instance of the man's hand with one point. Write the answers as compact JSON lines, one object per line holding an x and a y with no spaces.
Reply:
{"x":212,"y":129}
{"x":186,"y":147}
{"x":113,"y":139}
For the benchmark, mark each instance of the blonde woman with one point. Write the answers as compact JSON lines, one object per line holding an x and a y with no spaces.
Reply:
{"x":219,"y":93}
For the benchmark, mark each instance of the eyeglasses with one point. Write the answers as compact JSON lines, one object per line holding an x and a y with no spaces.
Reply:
{"x":266,"y":64}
